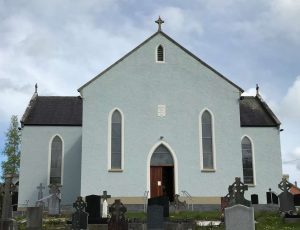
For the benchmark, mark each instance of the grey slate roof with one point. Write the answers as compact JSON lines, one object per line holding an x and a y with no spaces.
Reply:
{"x":67,"y":111}
{"x":54,"y":111}
{"x":254,"y":112}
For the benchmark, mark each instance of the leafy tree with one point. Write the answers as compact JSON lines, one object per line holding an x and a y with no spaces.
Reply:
{"x":12,"y":148}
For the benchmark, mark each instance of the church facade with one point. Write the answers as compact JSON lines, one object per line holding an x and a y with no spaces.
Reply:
{"x":159,"y":121}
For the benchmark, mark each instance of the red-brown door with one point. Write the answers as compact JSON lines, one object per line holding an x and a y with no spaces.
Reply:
{"x":156,"y":181}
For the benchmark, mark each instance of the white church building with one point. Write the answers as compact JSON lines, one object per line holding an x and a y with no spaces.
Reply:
{"x":159,"y":121}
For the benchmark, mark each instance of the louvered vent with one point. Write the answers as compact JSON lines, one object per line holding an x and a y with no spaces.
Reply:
{"x":160,"y":53}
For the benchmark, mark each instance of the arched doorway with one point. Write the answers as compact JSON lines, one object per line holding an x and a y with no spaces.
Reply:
{"x":162,"y":173}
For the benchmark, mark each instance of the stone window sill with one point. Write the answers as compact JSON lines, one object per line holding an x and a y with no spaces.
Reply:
{"x":115,"y":170}
{"x":208,"y":170}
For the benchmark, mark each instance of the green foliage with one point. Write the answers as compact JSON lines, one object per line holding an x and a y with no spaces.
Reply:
{"x":12,"y":148}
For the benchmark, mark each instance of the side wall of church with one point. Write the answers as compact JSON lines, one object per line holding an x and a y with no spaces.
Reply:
{"x":35,"y":162}
{"x":266,"y":161}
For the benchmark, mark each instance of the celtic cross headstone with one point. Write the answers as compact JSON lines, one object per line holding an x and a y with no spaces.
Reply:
{"x":80,"y":217}
{"x":286,"y":198}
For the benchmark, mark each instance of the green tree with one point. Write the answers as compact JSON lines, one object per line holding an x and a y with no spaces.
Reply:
{"x":12,"y":148}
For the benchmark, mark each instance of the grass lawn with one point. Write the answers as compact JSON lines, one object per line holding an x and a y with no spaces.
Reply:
{"x":265,"y":220}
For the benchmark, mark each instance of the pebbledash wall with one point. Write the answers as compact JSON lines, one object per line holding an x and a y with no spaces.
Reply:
{"x":136,"y":86}
{"x":35,"y":162}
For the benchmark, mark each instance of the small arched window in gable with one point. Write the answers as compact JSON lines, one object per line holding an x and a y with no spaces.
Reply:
{"x":116,"y":140}
{"x":207,"y":140}
{"x":56,"y":160}
{"x":247,"y":156}
{"x":160,"y":55}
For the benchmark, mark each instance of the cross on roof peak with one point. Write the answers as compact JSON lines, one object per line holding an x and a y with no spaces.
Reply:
{"x":159,"y":21}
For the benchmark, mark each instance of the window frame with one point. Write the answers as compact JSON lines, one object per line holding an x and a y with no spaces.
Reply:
{"x":50,"y":157}
{"x":109,"y":168}
{"x":214,"y":168}
{"x":253,"y":160}
{"x":164,"y":54}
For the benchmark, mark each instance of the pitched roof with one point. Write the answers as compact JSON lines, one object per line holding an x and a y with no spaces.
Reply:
{"x":254,"y":112}
{"x":174,"y":42}
{"x":54,"y":111}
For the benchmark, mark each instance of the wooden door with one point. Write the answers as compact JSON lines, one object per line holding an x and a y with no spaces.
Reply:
{"x":156,"y":181}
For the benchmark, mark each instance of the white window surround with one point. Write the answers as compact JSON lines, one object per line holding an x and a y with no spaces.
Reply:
{"x":109,"y":141}
{"x":213,"y":141}
{"x":164,"y":54}
{"x":62,"y":158}
{"x":253,"y":159}
{"x":175,"y":165}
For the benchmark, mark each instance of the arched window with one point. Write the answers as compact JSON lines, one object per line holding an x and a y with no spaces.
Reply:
{"x":207,"y":140}
{"x":160,"y":54}
{"x":116,"y":140}
{"x":247,"y":155}
{"x":56,"y":160}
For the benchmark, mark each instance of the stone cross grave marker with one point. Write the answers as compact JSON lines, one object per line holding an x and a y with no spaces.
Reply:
{"x":80,"y":217}
{"x":54,"y":200}
{"x":239,"y":217}
{"x":236,"y":193}
{"x":104,"y":196}
{"x":286,"y":198}
{"x":40,"y":195}
{"x":117,"y":221}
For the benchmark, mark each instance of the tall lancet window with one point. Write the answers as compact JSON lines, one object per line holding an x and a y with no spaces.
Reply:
{"x":247,"y":155}
{"x":116,"y":140}
{"x":160,"y":55}
{"x":207,"y":140}
{"x":56,"y":160}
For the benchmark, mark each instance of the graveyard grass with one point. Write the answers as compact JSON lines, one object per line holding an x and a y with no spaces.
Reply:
{"x":266,"y":220}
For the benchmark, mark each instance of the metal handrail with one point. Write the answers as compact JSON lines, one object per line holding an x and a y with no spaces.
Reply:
{"x":146,"y":193}
{"x":189,"y":197}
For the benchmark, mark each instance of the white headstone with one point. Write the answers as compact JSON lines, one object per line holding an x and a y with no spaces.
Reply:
{"x":239,"y":217}
{"x":104,"y":209}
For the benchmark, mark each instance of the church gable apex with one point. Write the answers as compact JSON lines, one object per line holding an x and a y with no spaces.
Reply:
{"x":177,"y":45}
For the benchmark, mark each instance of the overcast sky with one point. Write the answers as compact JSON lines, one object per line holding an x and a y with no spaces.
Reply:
{"x":62,"y":44}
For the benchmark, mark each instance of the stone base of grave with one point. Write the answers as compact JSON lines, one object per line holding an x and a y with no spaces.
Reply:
{"x":291,"y":218}
{"x":9,"y":224}
{"x":179,"y":226}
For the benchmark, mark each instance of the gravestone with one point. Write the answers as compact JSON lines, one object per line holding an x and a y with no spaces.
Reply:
{"x":155,"y":217}
{"x":104,"y":196}
{"x":54,"y":200}
{"x":297,"y":200}
{"x":162,"y":201}
{"x":239,"y":217}
{"x":286,"y":198}
{"x":117,"y":221}
{"x":272,"y":198}
{"x":79,"y":218}
{"x":254,"y":199}
{"x":34,"y":218}
{"x":40,"y":195}
{"x":93,"y":209}
{"x":6,"y":222}
{"x":236,"y":193}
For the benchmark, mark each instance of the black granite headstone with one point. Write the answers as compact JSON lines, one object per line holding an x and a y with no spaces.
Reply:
{"x":162,"y":201}
{"x":93,"y":209}
{"x":297,"y":200}
{"x":254,"y":199}
{"x":155,"y":217}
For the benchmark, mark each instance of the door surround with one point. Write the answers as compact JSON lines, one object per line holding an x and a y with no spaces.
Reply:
{"x":175,"y":165}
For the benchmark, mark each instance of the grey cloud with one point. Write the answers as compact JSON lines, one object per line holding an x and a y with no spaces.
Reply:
{"x":7,"y":84}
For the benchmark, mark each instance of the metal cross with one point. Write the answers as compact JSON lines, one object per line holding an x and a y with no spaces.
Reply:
{"x":105,"y":196}
{"x":40,"y":188}
{"x":159,"y":21}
